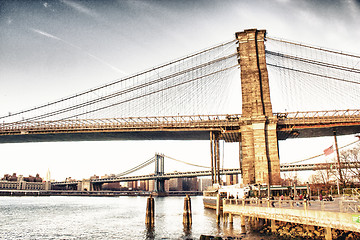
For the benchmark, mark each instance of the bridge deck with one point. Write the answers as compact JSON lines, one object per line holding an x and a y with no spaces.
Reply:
{"x":153,"y":176}
{"x":197,"y":127}
{"x":283,"y":168}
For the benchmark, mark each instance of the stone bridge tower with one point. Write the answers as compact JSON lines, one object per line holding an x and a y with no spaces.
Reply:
{"x":258,"y":141}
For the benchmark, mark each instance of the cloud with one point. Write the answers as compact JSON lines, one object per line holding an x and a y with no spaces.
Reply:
{"x":79,"y":48}
{"x":80,"y":8}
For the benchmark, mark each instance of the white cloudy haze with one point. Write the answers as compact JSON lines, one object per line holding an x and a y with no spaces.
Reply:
{"x":52,"y":49}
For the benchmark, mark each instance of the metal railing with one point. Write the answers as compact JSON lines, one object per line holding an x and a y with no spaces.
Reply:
{"x":317,"y":166}
{"x":337,"y":205}
{"x":319,"y":117}
{"x":130,"y":122}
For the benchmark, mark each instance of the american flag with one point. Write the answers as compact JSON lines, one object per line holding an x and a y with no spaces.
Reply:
{"x":329,"y":150}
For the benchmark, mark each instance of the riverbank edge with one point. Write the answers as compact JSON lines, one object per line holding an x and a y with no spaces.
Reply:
{"x":40,"y":193}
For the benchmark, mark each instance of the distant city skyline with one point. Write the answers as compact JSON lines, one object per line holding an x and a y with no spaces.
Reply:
{"x":52,"y":49}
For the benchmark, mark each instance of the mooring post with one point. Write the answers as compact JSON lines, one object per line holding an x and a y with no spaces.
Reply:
{"x":218,"y":208}
{"x":150,"y":212}
{"x":187,"y":215}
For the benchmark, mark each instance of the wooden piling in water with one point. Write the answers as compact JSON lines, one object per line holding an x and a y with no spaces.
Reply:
{"x":273,"y":226}
{"x":187,"y":215}
{"x":231,"y":220}
{"x":242,"y":222}
{"x":328,"y":234}
{"x":150,"y":212}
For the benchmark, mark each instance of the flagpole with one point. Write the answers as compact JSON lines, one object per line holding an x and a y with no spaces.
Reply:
{"x":338,"y":161}
{"x":338,"y":186}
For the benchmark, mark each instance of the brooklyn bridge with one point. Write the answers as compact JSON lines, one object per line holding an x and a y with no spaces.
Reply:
{"x":314,"y":92}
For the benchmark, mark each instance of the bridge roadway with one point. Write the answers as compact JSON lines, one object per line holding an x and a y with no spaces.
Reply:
{"x":153,"y":176}
{"x":283,"y":167}
{"x":196,"y":127}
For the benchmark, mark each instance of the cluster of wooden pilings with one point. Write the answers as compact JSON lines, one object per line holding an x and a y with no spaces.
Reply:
{"x":150,"y":212}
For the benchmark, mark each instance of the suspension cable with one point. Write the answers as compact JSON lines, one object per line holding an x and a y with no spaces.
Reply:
{"x":311,"y":61}
{"x":148,"y":94}
{"x":319,"y":155}
{"x":314,"y":74}
{"x":121,"y":80}
{"x":161,"y":79}
{"x":313,"y":47}
{"x":138,"y":167}
{"x":186,"y":162}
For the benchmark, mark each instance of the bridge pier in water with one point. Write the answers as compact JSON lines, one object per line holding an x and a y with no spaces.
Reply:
{"x":258,"y":139}
{"x":87,"y":185}
{"x":159,"y":185}
{"x":159,"y":171}
{"x":258,"y":143}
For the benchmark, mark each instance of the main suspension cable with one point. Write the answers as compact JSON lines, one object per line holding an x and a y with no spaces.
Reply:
{"x":191,"y":164}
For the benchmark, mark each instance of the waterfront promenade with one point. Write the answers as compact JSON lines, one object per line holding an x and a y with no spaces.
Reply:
{"x":340,"y":214}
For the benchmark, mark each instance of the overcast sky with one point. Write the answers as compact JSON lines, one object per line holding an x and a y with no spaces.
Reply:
{"x":52,"y":49}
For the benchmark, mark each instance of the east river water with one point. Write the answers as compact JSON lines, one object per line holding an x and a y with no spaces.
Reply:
{"x":60,"y":217}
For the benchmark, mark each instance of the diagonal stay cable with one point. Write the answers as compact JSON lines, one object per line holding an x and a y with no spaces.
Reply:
{"x":71,"y":108}
{"x":148,"y":94}
{"x":122,"y":79}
